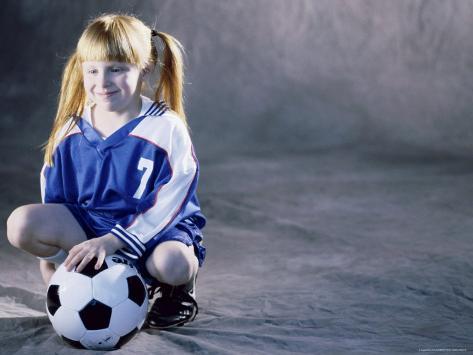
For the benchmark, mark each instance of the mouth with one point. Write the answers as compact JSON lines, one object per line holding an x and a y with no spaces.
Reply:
{"x":106,"y":94}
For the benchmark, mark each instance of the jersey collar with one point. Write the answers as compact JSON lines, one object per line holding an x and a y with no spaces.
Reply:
{"x":85,"y":125}
{"x":146,"y":106}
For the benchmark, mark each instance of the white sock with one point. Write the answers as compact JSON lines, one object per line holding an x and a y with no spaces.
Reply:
{"x":57,"y":258}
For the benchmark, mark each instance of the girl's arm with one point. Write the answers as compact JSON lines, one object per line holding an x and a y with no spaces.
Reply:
{"x":170,"y":199}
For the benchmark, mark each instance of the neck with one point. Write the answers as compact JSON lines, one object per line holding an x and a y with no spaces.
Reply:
{"x":117,"y":116}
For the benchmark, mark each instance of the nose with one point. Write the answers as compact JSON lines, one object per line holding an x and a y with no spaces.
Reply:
{"x":103,"y":79}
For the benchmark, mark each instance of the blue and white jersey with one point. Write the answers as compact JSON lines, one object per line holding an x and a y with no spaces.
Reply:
{"x":143,"y":177}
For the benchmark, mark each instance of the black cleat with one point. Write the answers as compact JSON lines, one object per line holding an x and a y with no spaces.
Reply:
{"x":174,"y":306}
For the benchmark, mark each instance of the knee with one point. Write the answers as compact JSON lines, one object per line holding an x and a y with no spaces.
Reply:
{"x":19,"y":227}
{"x":171,"y":264}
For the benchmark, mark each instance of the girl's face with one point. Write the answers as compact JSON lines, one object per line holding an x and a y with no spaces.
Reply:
{"x":112,"y":86}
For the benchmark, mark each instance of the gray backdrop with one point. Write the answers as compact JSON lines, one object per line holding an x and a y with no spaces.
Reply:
{"x":335,"y":147}
{"x":270,"y":74}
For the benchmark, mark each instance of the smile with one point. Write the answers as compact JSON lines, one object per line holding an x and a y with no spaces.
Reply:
{"x":106,"y":94}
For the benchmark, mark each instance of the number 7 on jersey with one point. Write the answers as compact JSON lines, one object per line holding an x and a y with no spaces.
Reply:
{"x":146,"y":165}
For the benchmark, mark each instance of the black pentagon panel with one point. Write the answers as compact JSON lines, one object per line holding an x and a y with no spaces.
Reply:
{"x":126,"y":338}
{"x":52,"y":299}
{"x":95,"y":315}
{"x":89,"y":269}
{"x":136,"y":290}
{"x":73,"y":343}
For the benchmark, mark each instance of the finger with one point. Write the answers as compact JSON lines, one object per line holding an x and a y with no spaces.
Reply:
{"x":72,"y":262}
{"x":85,"y":260}
{"x":72,"y":253}
{"x":69,"y":263}
{"x":69,"y":257}
{"x":100,"y":260}
{"x":76,"y":259}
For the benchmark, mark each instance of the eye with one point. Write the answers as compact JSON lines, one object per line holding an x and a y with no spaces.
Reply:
{"x":115,"y":69}
{"x":91,"y":71}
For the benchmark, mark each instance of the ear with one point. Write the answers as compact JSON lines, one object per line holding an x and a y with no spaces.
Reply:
{"x":146,"y":70}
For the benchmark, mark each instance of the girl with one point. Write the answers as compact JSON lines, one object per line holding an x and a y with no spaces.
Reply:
{"x":120,"y":174}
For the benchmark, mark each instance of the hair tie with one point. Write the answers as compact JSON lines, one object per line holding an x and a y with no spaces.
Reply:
{"x":154,"y":33}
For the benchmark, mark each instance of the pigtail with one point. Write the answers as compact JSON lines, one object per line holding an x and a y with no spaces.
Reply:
{"x":71,"y":103}
{"x":170,"y":87}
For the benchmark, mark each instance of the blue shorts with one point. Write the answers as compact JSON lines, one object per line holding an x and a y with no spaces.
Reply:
{"x":96,"y":225}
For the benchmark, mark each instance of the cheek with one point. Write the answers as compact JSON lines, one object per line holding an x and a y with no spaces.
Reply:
{"x":131,"y":83}
{"x":87,"y":84}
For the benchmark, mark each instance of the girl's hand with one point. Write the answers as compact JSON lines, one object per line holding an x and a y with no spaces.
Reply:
{"x":81,"y":254}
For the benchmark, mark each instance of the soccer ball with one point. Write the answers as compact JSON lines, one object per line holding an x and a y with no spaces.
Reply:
{"x":97,"y":309}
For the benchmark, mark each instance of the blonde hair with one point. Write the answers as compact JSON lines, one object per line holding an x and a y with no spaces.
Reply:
{"x":121,"y":38}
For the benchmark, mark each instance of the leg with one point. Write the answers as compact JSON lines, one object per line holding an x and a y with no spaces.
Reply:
{"x":173,"y":263}
{"x":47,"y":270}
{"x":43,"y":229}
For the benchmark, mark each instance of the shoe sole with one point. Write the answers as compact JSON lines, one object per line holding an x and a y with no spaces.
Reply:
{"x":176,"y":325}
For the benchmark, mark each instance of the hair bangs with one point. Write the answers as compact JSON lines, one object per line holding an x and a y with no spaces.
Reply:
{"x":107,"y":42}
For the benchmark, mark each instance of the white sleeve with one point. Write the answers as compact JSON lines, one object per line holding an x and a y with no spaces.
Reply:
{"x":42,"y":183}
{"x":170,"y":197}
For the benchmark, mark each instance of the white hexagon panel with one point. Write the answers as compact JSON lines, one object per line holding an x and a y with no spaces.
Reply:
{"x":68,"y":323}
{"x":75,"y":291}
{"x":60,"y":275}
{"x":110,"y":286}
{"x":126,"y":316}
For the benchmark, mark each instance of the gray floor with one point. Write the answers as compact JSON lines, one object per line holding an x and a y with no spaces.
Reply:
{"x":332,"y":252}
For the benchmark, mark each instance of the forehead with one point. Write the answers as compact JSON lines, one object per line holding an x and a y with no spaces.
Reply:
{"x":106,"y":64}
